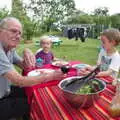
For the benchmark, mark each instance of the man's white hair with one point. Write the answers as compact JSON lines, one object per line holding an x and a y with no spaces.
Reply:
{"x":4,"y":22}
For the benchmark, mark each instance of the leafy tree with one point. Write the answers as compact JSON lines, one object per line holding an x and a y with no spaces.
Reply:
{"x":81,"y":19}
{"x":115,"y":21}
{"x":102,"y":20}
{"x":3,"y":13}
{"x":101,"y":16}
{"x":50,"y":11}
{"x":19,"y":12}
{"x":101,"y":11}
{"x":18,"y":9}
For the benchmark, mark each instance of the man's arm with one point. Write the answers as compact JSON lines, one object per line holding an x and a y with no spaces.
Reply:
{"x":20,"y":80}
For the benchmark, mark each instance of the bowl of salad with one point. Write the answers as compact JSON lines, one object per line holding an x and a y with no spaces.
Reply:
{"x":85,"y":95}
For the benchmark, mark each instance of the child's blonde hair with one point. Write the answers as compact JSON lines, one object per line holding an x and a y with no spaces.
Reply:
{"x":112,"y":34}
{"x":45,"y":38}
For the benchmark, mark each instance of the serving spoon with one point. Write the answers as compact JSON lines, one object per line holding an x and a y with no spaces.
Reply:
{"x":76,"y":83}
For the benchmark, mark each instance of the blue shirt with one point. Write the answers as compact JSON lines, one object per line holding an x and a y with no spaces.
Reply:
{"x":6,"y":64}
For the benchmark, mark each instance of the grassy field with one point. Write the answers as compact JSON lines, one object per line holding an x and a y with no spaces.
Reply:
{"x":73,"y":50}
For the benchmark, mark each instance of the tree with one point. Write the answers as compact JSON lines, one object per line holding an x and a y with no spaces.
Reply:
{"x":101,"y":19}
{"x":101,"y":16}
{"x":115,"y":21}
{"x":18,"y":9}
{"x":50,"y":11}
{"x":81,"y":19}
{"x":3,"y":13}
{"x":19,"y":12}
{"x":101,"y":11}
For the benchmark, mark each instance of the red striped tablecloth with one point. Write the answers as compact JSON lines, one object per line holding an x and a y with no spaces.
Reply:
{"x":48,"y":103}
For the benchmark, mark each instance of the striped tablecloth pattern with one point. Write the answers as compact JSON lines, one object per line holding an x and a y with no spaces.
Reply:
{"x":48,"y":103}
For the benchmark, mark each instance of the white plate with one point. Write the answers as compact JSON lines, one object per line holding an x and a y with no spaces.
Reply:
{"x":59,"y":63}
{"x":80,"y":66}
{"x":40,"y":71}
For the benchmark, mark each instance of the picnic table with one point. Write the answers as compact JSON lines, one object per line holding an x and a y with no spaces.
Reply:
{"x":48,"y":103}
{"x":56,"y":42}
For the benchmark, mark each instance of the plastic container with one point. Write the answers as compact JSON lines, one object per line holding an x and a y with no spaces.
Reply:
{"x":115,"y":104}
{"x":39,"y":62}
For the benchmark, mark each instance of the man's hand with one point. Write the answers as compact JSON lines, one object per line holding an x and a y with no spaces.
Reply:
{"x":56,"y":75}
{"x":28,"y":58}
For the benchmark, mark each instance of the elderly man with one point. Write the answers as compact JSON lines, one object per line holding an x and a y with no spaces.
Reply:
{"x":13,"y":102}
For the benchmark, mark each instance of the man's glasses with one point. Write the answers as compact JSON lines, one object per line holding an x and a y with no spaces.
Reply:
{"x":14,"y":31}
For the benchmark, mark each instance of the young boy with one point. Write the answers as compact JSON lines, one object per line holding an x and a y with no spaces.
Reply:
{"x":109,"y":58}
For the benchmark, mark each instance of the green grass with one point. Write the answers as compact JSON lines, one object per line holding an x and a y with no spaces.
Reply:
{"x":73,"y":50}
{"x":76,"y":50}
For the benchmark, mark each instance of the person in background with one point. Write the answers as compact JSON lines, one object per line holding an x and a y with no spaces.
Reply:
{"x":109,"y":58}
{"x":13,"y":102}
{"x":45,"y":54}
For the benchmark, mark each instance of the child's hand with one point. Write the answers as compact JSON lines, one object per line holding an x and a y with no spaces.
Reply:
{"x":85,"y":70}
{"x":82,"y":72}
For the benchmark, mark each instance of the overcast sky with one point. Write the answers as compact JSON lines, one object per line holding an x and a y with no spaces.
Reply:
{"x":6,"y":3}
{"x":85,"y":5}
{"x":89,"y":5}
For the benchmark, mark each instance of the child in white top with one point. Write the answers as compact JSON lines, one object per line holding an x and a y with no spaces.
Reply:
{"x":109,"y":58}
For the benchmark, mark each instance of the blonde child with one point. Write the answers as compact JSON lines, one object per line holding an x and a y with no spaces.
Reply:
{"x":45,"y":55}
{"x":109,"y":57}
